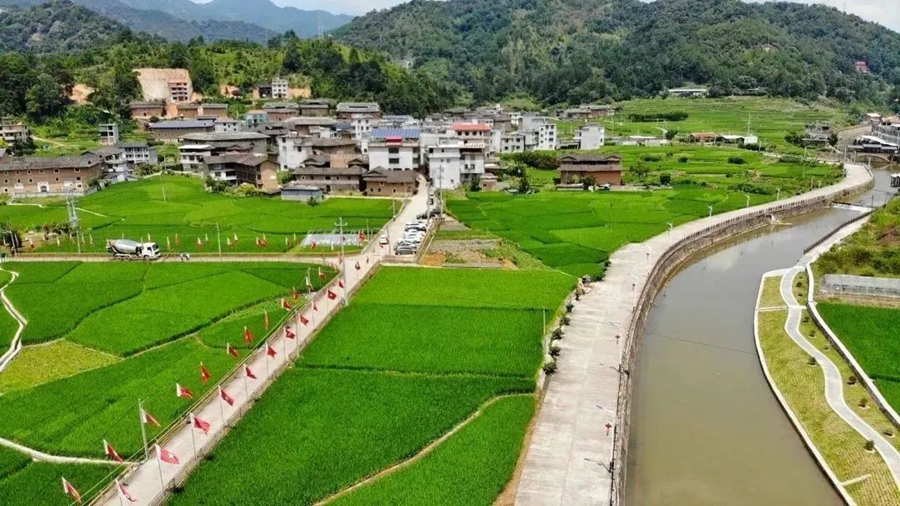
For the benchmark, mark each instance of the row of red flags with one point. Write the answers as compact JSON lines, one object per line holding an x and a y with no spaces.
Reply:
{"x":165,"y":455}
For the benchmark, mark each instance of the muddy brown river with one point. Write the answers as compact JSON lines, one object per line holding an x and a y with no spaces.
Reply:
{"x":706,"y":428}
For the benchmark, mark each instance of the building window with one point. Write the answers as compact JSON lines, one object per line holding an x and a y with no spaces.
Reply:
{"x":394,"y":161}
{"x":77,"y":170}
{"x":78,"y":178}
{"x":30,"y":181}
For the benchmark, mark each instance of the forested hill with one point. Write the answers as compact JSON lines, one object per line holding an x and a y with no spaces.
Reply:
{"x":571,"y":51}
{"x":55,"y":27}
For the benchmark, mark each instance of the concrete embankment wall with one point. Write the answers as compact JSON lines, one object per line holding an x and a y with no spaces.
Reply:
{"x":666,"y":265}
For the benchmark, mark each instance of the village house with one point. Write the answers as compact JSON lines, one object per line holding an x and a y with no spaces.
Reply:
{"x":281,"y":89}
{"x":315,"y":108}
{"x":217,"y":111}
{"x":109,"y":134}
{"x":311,"y":126}
{"x":245,"y":142}
{"x":394,"y":149}
{"x":387,"y":182}
{"x":330,"y":146}
{"x":237,"y":169}
{"x":227,"y":125}
{"x":346,"y":110}
{"x":600,"y":111}
{"x":503,"y":123}
{"x":255,"y":118}
{"x":578,"y":114}
{"x":331,"y":180}
{"x":591,"y":137}
{"x":172,"y":130}
{"x":299,"y":192}
{"x":453,"y":162}
{"x":192,"y":157}
{"x":188,"y":111}
{"x":115,"y":166}
{"x":547,"y":139}
{"x":702,"y":137}
{"x":688,"y":92}
{"x":147,"y":110}
{"x":12,"y":132}
{"x":46,"y":176}
{"x":139,"y":153}
{"x":600,"y":169}
{"x":281,"y":114}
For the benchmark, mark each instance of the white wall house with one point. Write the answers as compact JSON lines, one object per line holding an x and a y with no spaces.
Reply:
{"x":192,"y":156}
{"x":291,"y":153}
{"x":453,"y":162}
{"x":362,"y":125}
{"x":280,"y":88}
{"x":591,"y":137}
{"x":545,"y":129}
{"x":393,"y":154}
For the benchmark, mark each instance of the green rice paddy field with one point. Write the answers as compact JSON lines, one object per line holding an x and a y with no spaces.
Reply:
{"x":181,"y":216}
{"x":870,"y":333}
{"x":576,"y":232}
{"x":417,"y":352}
{"x":769,"y":118}
{"x":102,"y":335}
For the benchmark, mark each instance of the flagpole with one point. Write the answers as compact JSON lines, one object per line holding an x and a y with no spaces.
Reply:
{"x":143,"y":428}
{"x":222,"y":407}
{"x":341,"y":225}
{"x":162,"y":482}
{"x":119,"y":493}
{"x":268,"y":372}
{"x":246,"y":390}
{"x":193,"y":439}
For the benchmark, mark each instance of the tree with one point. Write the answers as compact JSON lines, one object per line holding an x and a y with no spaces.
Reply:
{"x":640,"y":170}
{"x":524,"y":184}
{"x":475,"y":184}
{"x":45,"y":99}
{"x":833,"y":139}
{"x":293,"y":62}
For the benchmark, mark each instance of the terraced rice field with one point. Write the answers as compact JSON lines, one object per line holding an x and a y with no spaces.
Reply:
{"x":100,"y":336}
{"x":416,"y":353}
{"x":181,"y":216}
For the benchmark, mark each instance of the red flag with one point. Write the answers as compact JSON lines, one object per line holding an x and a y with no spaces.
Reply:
{"x":270,"y":351}
{"x":286,"y":305}
{"x":296,"y":293}
{"x":321,"y":274}
{"x":357,"y":266}
{"x":304,"y":320}
{"x":165,"y":455}
{"x":248,"y":335}
{"x":331,"y":295}
{"x":248,"y":372}
{"x":362,"y":236}
{"x":341,"y":283}
{"x":232,"y":351}
{"x":147,"y":418}
{"x":181,"y":391}
{"x":262,"y":243}
{"x":70,"y":490}
{"x":288,"y":333}
{"x":266,"y":319}
{"x":111,"y":452}
{"x":124,"y":491}
{"x":225,"y":397}
{"x":205,"y":376}
{"x":199,"y":423}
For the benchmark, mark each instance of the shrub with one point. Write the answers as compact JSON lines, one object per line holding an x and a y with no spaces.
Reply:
{"x":554,"y":350}
{"x":870,"y":445}
{"x":851,"y":380}
{"x":812,"y":361}
{"x":665,"y":179}
{"x":570,"y":307}
{"x":683,"y":159}
{"x":557,"y":334}
{"x":736,"y":160}
{"x":863,"y":403}
{"x":565,"y":320}
{"x":550,"y":367}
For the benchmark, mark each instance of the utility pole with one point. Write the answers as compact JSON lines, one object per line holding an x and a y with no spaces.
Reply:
{"x":219,"y":240}
{"x":144,"y":430}
{"x":341,"y":224}
{"x":73,"y":217}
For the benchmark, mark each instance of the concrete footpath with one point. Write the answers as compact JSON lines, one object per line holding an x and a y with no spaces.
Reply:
{"x":148,"y":480}
{"x":570,"y":459}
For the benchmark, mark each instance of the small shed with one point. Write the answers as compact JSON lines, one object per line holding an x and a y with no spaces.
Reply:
{"x":299,"y":192}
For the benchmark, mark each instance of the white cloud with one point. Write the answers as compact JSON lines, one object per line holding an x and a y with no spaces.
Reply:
{"x":880,"y":11}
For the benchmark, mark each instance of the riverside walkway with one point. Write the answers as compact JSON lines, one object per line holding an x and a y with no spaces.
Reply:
{"x":570,"y":456}
{"x":149,"y":480}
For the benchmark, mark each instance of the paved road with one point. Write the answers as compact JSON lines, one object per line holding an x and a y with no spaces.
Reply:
{"x":569,"y":454}
{"x":834,"y":381}
{"x":149,"y":477}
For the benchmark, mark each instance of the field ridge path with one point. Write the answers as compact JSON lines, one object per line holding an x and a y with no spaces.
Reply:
{"x":424,"y":452}
{"x":16,"y":345}
{"x":834,"y":381}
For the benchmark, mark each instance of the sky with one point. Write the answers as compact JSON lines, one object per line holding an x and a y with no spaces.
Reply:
{"x":880,"y":11}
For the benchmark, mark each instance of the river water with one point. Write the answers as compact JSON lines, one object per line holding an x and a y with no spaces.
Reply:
{"x":706,"y":428}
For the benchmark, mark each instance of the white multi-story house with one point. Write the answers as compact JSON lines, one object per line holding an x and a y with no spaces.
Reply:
{"x":291,"y":153}
{"x":394,"y":149}
{"x":192,"y":156}
{"x":280,"y":88}
{"x":477,"y":132}
{"x":518,"y":142}
{"x":591,"y":137}
{"x":139,"y":153}
{"x":545,"y":129}
{"x":453,"y":162}
{"x":361,"y":125}
{"x":887,"y":132}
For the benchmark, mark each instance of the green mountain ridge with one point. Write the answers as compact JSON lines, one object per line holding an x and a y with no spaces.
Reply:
{"x":572,"y":51}
{"x":55,"y":27}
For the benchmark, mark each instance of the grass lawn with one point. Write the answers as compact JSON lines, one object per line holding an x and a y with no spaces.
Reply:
{"x":487,"y":449}
{"x":23,"y":481}
{"x":40,"y":364}
{"x":186,"y":218}
{"x":318,"y":431}
{"x":771,"y":293}
{"x":803,"y":386}
{"x":417,"y":352}
{"x":576,"y":232}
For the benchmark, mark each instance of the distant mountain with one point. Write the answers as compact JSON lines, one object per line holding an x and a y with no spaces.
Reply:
{"x":570,"y":51}
{"x":170,"y":27}
{"x":54,"y":27}
{"x":263,"y":13}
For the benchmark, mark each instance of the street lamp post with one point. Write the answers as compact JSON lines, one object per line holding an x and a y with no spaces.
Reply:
{"x":341,"y":224}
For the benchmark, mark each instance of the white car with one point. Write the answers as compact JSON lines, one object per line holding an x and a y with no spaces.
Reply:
{"x":383,"y":240}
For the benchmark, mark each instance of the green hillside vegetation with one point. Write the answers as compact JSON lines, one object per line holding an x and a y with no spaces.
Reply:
{"x":572,"y":51}
{"x":53,"y":27}
{"x":873,"y":251}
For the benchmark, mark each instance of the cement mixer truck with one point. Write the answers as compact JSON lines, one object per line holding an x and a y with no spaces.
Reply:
{"x":123,"y":249}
